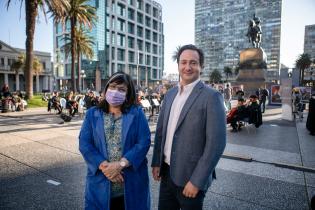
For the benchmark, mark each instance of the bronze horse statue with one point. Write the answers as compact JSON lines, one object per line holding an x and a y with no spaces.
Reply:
{"x":254,"y":32}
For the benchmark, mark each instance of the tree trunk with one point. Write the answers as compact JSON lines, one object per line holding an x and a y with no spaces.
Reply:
{"x":78,"y":72}
{"x":302,"y":77}
{"x":30,"y":15}
{"x":73,"y":83}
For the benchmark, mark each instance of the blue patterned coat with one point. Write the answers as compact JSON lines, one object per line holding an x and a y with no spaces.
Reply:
{"x":136,"y":143}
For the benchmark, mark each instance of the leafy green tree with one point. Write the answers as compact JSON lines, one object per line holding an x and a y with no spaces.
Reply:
{"x":215,"y":76}
{"x":83,"y":47}
{"x":79,"y":12}
{"x":228,"y":72}
{"x":56,"y":8}
{"x":302,"y":63}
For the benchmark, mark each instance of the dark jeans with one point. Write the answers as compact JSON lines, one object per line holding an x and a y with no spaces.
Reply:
{"x":117,"y":203}
{"x":171,"y":196}
{"x":263,"y":104}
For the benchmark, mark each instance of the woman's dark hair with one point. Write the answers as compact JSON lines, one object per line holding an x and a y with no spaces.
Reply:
{"x":194,"y":48}
{"x":120,"y":78}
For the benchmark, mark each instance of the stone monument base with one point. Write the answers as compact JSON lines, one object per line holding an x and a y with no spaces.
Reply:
{"x":252,"y":70}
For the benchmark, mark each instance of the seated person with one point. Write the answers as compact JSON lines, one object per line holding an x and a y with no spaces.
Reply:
{"x":71,"y":104}
{"x":55,"y":100}
{"x":7,"y":100}
{"x":255,"y":116}
{"x":240,"y":113}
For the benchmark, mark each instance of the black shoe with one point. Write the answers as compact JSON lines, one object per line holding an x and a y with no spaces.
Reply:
{"x":234,"y":130}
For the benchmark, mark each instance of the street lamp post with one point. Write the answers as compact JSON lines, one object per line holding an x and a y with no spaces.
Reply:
{"x":83,"y":75}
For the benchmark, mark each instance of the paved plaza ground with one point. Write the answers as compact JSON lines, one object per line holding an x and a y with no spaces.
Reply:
{"x":41,"y":167}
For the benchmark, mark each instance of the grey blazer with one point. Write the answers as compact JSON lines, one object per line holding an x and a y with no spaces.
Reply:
{"x":199,"y":139}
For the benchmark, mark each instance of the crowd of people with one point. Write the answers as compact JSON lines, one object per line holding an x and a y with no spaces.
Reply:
{"x":11,"y":101}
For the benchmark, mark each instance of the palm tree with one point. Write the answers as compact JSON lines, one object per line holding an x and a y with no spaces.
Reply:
{"x":56,"y":7}
{"x":302,"y":63}
{"x":37,"y":68}
{"x":80,"y":13}
{"x":227,"y":71}
{"x":83,"y":47}
{"x":236,"y":69}
{"x":215,"y":76}
{"x":174,"y":56}
{"x":16,"y":66}
{"x":19,"y":64}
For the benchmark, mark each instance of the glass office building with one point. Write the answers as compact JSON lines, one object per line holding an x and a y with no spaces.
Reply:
{"x":309,"y":41}
{"x":221,"y":27}
{"x":128,"y":37}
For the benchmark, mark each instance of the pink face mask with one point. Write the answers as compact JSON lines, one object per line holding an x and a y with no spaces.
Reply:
{"x":115,"y":97}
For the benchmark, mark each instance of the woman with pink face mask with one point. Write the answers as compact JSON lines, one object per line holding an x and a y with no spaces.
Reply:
{"x":114,"y":141}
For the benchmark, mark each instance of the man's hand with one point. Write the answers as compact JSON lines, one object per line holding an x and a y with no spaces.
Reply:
{"x":155,"y":173}
{"x":190,"y":190}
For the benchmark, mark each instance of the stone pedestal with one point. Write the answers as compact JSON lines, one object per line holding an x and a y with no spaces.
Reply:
{"x":286,"y":99}
{"x":98,"y":81}
{"x":252,"y":73}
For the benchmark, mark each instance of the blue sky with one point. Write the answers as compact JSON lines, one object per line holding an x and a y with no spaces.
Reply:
{"x":178,"y":18}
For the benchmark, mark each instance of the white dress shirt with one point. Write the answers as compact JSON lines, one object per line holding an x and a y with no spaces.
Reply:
{"x":177,"y":106}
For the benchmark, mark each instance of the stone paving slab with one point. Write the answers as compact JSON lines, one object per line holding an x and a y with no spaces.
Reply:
{"x":260,"y":190}
{"x":267,"y":137}
{"x":263,"y":154}
{"x":262,"y":170}
{"x":41,"y":156}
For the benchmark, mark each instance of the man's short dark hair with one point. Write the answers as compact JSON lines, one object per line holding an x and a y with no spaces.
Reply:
{"x":191,"y":47}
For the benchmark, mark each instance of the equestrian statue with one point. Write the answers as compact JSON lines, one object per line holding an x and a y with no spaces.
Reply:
{"x":254,"y":32}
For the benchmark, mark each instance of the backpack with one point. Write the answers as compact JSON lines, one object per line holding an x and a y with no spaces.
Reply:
{"x":65,"y":117}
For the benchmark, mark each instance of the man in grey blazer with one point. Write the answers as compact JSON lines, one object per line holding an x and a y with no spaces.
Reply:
{"x":190,"y":136}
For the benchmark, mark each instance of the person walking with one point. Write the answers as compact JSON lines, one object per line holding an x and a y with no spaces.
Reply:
{"x":190,"y":136}
{"x":227,"y":97}
{"x":264,"y":93}
{"x":114,"y":141}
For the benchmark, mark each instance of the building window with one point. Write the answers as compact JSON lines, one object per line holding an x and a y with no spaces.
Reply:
{"x":121,"y":24}
{"x":148,"y":21}
{"x":155,"y":12}
{"x":131,"y":42}
{"x":155,"y":25}
{"x":131,"y":14}
{"x":148,"y":60}
{"x":121,"y":40}
{"x":155,"y":37}
{"x":155,"y":49}
{"x":147,"y":34}
{"x":131,"y":28}
{"x":120,"y":54}
{"x":44,"y":65}
{"x":147,"y":47}
{"x":148,"y":8}
{"x":140,"y":18}
{"x":121,"y":10}
{"x":130,"y":2}
{"x":2,"y":62}
{"x":155,"y":61}
{"x":131,"y":57}
{"x":113,"y":54}
{"x":140,"y":4}
{"x":140,"y":58}
{"x":139,"y":31}
{"x":107,"y":37}
{"x":120,"y":67}
{"x":140,"y":45}
{"x":113,"y":39}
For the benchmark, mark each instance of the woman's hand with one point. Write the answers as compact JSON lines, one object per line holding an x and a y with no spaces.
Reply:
{"x":111,"y":170}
